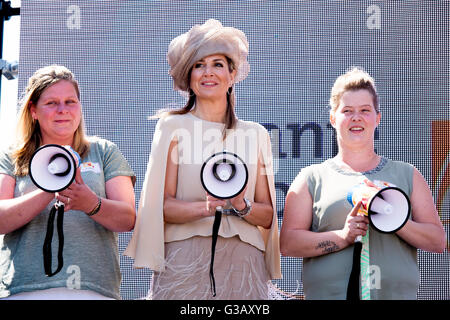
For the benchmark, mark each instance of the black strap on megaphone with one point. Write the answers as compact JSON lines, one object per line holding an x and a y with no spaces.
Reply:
{"x":353,"y":281}
{"x":47,"y":248}
{"x":215,"y":233}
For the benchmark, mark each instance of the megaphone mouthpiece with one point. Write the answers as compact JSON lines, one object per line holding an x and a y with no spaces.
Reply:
{"x":379,"y":206}
{"x":224,"y":171}
{"x":59,"y":165}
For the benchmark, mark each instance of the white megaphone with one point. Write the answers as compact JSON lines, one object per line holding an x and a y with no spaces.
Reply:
{"x":388,"y":209}
{"x":387,"y":206}
{"x":224,"y":175}
{"x":53,"y":167}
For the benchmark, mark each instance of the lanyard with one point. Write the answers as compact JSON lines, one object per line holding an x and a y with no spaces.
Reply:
{"x":360,"y":274}
{"x":47,"y":248}
{"x":353,"y":282}
{"x":215,"y":232}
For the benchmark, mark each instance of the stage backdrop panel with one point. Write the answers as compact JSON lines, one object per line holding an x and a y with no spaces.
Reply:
{"x":117,"y":49}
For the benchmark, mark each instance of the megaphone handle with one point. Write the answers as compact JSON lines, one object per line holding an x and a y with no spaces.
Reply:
{"x":215,"y":233}
{"x":47,"y":248}
{"x":353,"y":281}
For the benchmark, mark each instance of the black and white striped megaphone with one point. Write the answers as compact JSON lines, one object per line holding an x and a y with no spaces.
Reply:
{"x":52,"y":167}
{"x":224,"y":175}
{"x":387,"y":206}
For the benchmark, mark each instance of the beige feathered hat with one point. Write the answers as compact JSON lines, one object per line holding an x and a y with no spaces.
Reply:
{"x":202,"y":41}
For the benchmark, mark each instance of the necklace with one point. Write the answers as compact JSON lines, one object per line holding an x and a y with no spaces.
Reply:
{"x":368,"y":165}
{"x":343,"y":168}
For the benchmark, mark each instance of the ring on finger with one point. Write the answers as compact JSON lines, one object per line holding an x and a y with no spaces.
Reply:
{"x":357,"y":225}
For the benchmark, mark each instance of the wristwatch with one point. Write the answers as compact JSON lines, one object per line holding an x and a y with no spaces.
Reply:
{"x":244,"y":212}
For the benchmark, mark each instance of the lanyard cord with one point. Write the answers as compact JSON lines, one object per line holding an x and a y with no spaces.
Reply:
{"x":353,"y":282}
{"x":47,"y":248}
{"x":215,"y":232}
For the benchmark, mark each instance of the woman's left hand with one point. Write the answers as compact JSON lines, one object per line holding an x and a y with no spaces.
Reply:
{"x":78,"y":196}
{"x":238,"y":202}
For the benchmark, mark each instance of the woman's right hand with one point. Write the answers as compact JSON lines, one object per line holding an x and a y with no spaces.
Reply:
{"x":355,"y":225}
{"x":211,"y":205}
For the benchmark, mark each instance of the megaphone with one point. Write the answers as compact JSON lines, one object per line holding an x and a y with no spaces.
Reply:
{"x":53,"y":167}
{"x":224,"y":175}
{"x":387,"y":206}
{"x":388,"y":209}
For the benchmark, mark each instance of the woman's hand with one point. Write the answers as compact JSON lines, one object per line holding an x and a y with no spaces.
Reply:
{"x":78,"y":196}
{"x":238,"y":202}
{"x":117,"y":212}
{"x":211,"y":205}
{"x":355,"y":225}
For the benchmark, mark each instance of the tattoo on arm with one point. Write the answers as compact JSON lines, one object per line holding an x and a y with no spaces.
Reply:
{"x":327,"y":246}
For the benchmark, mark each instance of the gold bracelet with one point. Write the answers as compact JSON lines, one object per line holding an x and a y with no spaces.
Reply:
{"x":96,"y":209}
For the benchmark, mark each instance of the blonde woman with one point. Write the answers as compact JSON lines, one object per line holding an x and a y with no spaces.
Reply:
{"x":319,"y":223}
{"x":98,"y":204}
{"x":175,"y":215}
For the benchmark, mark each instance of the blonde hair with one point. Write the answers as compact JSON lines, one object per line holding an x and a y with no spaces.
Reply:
{"x":354,"y":79}
{"x":28,"y":132}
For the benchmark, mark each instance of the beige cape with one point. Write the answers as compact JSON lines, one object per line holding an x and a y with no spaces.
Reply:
{"x":146,"y":246}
